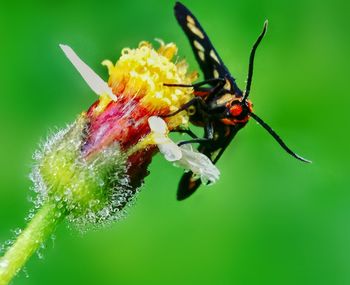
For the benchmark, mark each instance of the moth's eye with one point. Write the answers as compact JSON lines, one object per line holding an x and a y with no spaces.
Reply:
{"x":236,"y":110}
{"x":191,"y":110}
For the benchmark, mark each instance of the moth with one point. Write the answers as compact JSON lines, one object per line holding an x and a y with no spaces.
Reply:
{"x":219,"y":105}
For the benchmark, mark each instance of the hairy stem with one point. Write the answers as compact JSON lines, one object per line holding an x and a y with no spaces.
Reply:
{"x":39,"y":228}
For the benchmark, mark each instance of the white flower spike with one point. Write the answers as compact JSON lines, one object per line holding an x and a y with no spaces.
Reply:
{"x":95,"y":82}
{"x":183,"y":156}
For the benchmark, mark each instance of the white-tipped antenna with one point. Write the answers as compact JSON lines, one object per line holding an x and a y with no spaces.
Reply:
{"x":251,"y":61}
{"x":95,"y":82}
{"x":277,"y":138}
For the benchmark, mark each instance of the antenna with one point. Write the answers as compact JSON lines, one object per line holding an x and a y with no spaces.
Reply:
{"x":277,"y":138}
{"x":251,"y":62}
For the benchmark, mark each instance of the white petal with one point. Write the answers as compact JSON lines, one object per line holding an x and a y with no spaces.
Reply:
{"x":98,"y":85}
{"x":157,"y":125}
{"x":199,"y":164}
{"x":166,"y":146}
{"x":170,"y":150}
{"x":183,"y":156}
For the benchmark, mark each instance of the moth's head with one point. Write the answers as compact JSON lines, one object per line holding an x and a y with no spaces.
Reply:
{"x":238,"y":110}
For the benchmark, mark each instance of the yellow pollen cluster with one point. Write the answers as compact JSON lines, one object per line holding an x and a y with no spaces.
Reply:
{"x":141,"y":73}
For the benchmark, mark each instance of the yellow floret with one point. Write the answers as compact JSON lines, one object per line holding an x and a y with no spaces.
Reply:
{"x":141,"y":73}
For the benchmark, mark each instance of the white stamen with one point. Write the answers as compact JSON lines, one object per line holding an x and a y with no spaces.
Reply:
{"x":183,"y":156}
{"x":95,"y":82}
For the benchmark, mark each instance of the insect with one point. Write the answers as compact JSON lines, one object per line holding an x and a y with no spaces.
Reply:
{"x":219,"y":105}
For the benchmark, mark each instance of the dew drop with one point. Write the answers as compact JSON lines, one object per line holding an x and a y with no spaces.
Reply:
{"x":39,"y":254}
{"x":53,"y":239}
{"x":40,"y":250}
{"x":25,"y":272}
{"x":17,"y":231}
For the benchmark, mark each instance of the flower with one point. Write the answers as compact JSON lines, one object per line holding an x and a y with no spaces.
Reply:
{"x":94,"y":167}
{"x":91,"y":170}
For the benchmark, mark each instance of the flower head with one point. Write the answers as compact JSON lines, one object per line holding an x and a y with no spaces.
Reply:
{"x":91,"y":170}
{"x":94,"y":167}
{"x":137,"y":80}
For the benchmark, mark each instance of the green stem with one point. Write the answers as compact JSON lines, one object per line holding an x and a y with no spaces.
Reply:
{"x":39,"y":228}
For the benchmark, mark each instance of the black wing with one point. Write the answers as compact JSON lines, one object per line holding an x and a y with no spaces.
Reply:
{"x":205,"y":53}
{"x":212,"y":67}
{"x":224,"y":134}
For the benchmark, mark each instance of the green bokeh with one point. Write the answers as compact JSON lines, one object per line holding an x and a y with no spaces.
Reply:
{"x":269,"y":220}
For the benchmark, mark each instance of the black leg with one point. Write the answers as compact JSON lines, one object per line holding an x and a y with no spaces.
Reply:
{"x":198,"y":140}
{"x":209,"y":133}
{"x":195,"y":100}
{"x":186,"y":131}
{"x":214,"y":81}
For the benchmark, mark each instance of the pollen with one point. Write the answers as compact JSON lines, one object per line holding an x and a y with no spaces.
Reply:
{"x":140,"y":74}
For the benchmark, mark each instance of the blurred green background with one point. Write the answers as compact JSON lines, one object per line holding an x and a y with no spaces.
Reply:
{"x":269,"y":220}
